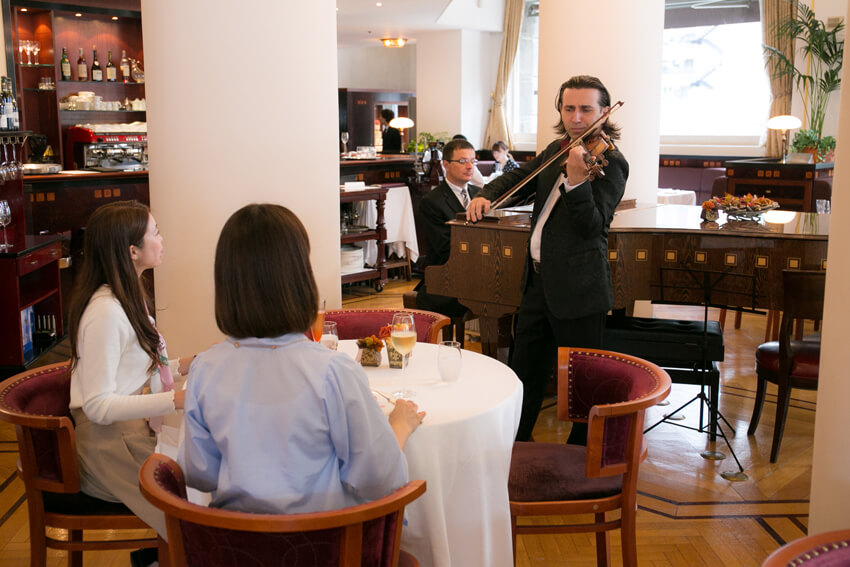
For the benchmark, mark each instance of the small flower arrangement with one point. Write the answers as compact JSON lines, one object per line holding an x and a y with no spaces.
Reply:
{"x":395,"y":358}
{"x":747,"y":207}
{"x":369,"y":351}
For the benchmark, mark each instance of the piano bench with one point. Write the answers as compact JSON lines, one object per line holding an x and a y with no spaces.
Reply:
{"x":676,"y":346}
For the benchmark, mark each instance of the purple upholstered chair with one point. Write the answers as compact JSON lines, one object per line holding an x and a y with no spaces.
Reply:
{"x":831,"y":549}
{"x":359,"y":323}
{"x":610,"y":391}
{"x":367,"y":535}
{"x":36,"y":402}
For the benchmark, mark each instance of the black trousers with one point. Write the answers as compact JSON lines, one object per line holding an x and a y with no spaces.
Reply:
{"x":538,"y":336}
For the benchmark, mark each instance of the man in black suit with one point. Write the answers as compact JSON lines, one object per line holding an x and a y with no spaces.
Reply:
{"x":391,"y":136}
{"x":567,"y":280}
{"x":439,"y":206}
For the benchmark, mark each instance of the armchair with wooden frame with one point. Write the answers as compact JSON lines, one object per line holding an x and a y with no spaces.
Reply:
{"x":790,"y":363}
{"x":36,"y":402}
{"x":611,"y":392}
{"x":359,"y":323}
{"x":367,"y":535}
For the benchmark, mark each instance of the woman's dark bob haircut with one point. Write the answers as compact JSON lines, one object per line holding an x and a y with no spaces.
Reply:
{"x":264,"y":284}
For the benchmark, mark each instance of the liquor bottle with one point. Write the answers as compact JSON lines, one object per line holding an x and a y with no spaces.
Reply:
{"x":96,"y":71}
{"x":125,"y":66}
{"x":82,"y":68}
{"x":3,"y":124}
{"x":15,"y":119}
{"x":66,"y":65}
{"x":111,"y":71}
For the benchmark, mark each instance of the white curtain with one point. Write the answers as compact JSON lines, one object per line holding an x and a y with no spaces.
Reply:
{"x":497,"y":126}
{"x":774,"y":12}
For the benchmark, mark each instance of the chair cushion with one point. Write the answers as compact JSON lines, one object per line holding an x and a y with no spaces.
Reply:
{"x":545,"y":472}
{"x":81,"y":504}
{"x":806,"y":359}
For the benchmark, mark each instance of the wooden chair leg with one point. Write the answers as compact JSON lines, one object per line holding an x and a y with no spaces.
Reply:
{"x":771,"y":330}
{"x":38,"y":539}
{"x":162,"y":548}
{"x":721,"y":318}
{"x":513,"y":535}
{"x":603,"y":547}
{"x":783,"y":399}
{"x":628,"y":536}
{"x":761,"y":390}
{"x":738,"y":317}
{"x":798,"y":329}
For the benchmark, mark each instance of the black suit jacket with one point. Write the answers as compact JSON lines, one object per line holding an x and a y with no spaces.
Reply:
{"x":574,"y":244}
{"x":436,"y":209}
{"x":392,"y":141}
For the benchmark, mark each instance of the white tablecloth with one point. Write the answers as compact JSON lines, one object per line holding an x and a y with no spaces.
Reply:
{"x":398,"y":220}
{"x":676,"y":197}
{"x":463,"y":451}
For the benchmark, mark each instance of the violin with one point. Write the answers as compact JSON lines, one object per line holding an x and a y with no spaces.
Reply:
{"x":595,"y":143}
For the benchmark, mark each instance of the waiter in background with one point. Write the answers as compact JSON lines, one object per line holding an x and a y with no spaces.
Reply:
{"x":567,"y":280}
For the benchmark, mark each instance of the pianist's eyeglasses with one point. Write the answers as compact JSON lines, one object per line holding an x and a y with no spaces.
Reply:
{"x":463,"y":161}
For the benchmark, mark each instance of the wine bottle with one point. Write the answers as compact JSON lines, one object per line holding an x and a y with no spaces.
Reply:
{"x":82,"y":68}
{"x":15,"y":119}
{"x":96,"y":71}
{"x":3,"y":123}
{"x":66,"y":65}
{"x":111,"y":71}
{"x":125,"y":66}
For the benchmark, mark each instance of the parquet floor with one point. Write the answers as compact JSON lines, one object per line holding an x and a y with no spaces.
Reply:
{"x":688,"y":514}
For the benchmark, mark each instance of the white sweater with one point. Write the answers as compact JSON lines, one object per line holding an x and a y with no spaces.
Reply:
{"x":112,"y":368}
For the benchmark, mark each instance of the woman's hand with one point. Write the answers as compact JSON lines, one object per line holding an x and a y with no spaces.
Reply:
{"x":183,"y":365}
{"x":404,"y":419}
{"x":179,"y":398}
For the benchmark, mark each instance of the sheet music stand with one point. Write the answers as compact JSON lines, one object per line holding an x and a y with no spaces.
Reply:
{"x":707,"y":281}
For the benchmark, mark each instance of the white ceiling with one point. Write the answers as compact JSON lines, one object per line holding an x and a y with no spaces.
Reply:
{"x":362,"y":23}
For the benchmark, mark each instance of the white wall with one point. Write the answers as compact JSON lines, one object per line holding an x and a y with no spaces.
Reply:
{"x":633,"y":33}
{"x":830,"y":481}
{"x":237,"y":129}
{"x":377,"y":68}
{"x":456,"y":73}
{"x":487,"y":15}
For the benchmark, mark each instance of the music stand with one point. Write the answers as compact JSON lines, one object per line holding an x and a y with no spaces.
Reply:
{"x":707,"y":284}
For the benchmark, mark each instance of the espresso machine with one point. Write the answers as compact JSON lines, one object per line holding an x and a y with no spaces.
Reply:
{"x":107,"y":147}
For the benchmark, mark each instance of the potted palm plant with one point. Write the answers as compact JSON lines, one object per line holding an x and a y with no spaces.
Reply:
{"x":816,"y":78}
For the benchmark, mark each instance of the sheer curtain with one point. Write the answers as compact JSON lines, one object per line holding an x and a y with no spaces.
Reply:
{"x":773,"y":13}
{"x":497,"y":126}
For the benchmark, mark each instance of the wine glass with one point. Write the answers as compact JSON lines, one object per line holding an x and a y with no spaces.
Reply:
{"x":330,"y":338}
{"x":403,"y":337}
{"x":317,"y":326}
{"x":5,"y":219}
{"x":28,"y":49}
{"x":36,"y":47}
{"x":449,"y":360}
{"x":344,"y":137}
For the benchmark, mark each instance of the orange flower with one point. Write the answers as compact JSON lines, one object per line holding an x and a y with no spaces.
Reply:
{"x":384,"y":332}
{"x":709,"y":204}
{"x":372,"y":342}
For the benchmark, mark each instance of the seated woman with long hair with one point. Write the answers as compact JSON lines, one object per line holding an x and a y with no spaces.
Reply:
{"x":275,"y":423}
{"x":116,"y":355}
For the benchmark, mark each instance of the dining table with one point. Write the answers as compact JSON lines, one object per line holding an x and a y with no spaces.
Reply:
{"x":462,"y":450}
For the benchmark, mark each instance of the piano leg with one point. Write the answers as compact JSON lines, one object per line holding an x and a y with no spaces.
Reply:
{"x":496,"y":336}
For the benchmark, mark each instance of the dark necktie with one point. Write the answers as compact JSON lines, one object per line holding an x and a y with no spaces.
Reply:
{"x":464,"y":198}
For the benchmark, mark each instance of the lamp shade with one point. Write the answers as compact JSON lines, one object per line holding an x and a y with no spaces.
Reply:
{"x":401,"y":122}
{"x":784,"y":122}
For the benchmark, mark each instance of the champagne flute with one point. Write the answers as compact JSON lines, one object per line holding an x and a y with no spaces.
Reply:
{"x":5,"y":219}
{"x":36,"y":47}
{"x":403,"y":337}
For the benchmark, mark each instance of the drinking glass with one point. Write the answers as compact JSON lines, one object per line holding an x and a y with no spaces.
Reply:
{"x":5,"y":219}
{"x":317,"y":326}
{"x":28,"y":49}
{"x":403,"y":337}
{"x":344,"y":138}
{"x":330,"y":338}
{"x":822,"y":205}
{"x":449,"y":360}
{"x":36,"y":47}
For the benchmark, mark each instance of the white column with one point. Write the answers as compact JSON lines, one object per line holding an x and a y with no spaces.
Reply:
{"x":242,"y":108}
{"x":829,"y":508}
{"x":620,"y":43}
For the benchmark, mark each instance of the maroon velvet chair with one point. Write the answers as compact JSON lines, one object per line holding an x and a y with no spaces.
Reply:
{"x":610,"y":392}
{"x":359,"y":323}
{"x":789,"y":363}
{"x":831,"y":549}
{"x":366,"y":535}
{"x":36,"y":402}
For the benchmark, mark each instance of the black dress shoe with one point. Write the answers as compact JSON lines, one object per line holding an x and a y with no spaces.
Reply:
{"x":144,"y":557}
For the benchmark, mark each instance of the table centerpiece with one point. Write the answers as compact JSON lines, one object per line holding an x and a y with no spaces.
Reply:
{"x":748,"y":207}
{"x":369,"y":351}
{"x":394,"y":358}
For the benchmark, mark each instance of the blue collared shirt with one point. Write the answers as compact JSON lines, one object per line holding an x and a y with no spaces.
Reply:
{"x":285,"y":425}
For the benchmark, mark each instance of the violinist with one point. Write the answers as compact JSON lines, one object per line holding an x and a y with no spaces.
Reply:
{"x":567,"y":280}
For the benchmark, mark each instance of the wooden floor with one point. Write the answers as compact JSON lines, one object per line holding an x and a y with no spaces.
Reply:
{"x":688,"y":514}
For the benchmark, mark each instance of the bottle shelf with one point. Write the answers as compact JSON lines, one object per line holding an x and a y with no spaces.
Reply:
{"x":35,"y":65}
{"x":61,"y":82}
{"x":102,"y":111}
{"x":35,"y":90}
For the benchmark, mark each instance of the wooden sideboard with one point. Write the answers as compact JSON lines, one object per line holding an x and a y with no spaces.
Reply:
{"x":790,"y":184}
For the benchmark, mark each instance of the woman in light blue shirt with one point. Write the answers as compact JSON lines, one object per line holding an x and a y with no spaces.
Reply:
{"x":276,"y":423}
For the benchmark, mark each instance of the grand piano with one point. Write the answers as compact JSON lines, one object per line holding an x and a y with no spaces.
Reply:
{"x":663,"y":253}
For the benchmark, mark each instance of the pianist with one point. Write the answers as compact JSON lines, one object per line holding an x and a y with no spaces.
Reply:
{"x":439,"y":206}
{"x":567,"y":281}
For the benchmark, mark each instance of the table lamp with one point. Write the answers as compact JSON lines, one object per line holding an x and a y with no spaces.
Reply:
{"x":401,"y":123}
{"x":784,"y":122}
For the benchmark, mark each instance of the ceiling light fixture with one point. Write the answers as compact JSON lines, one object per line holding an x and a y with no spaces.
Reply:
{"x":394,"y":41}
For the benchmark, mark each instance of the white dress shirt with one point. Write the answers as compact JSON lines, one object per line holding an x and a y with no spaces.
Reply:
{"x":554,"y":195}
{"x":458,"y":191}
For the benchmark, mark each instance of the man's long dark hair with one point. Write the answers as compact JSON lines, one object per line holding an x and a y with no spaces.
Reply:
{"x":110,"y":232}
{"x":586,"y":82}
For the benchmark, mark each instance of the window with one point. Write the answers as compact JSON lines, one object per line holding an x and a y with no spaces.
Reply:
{"x":715,"y":89}
{"x":521,"y":97}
